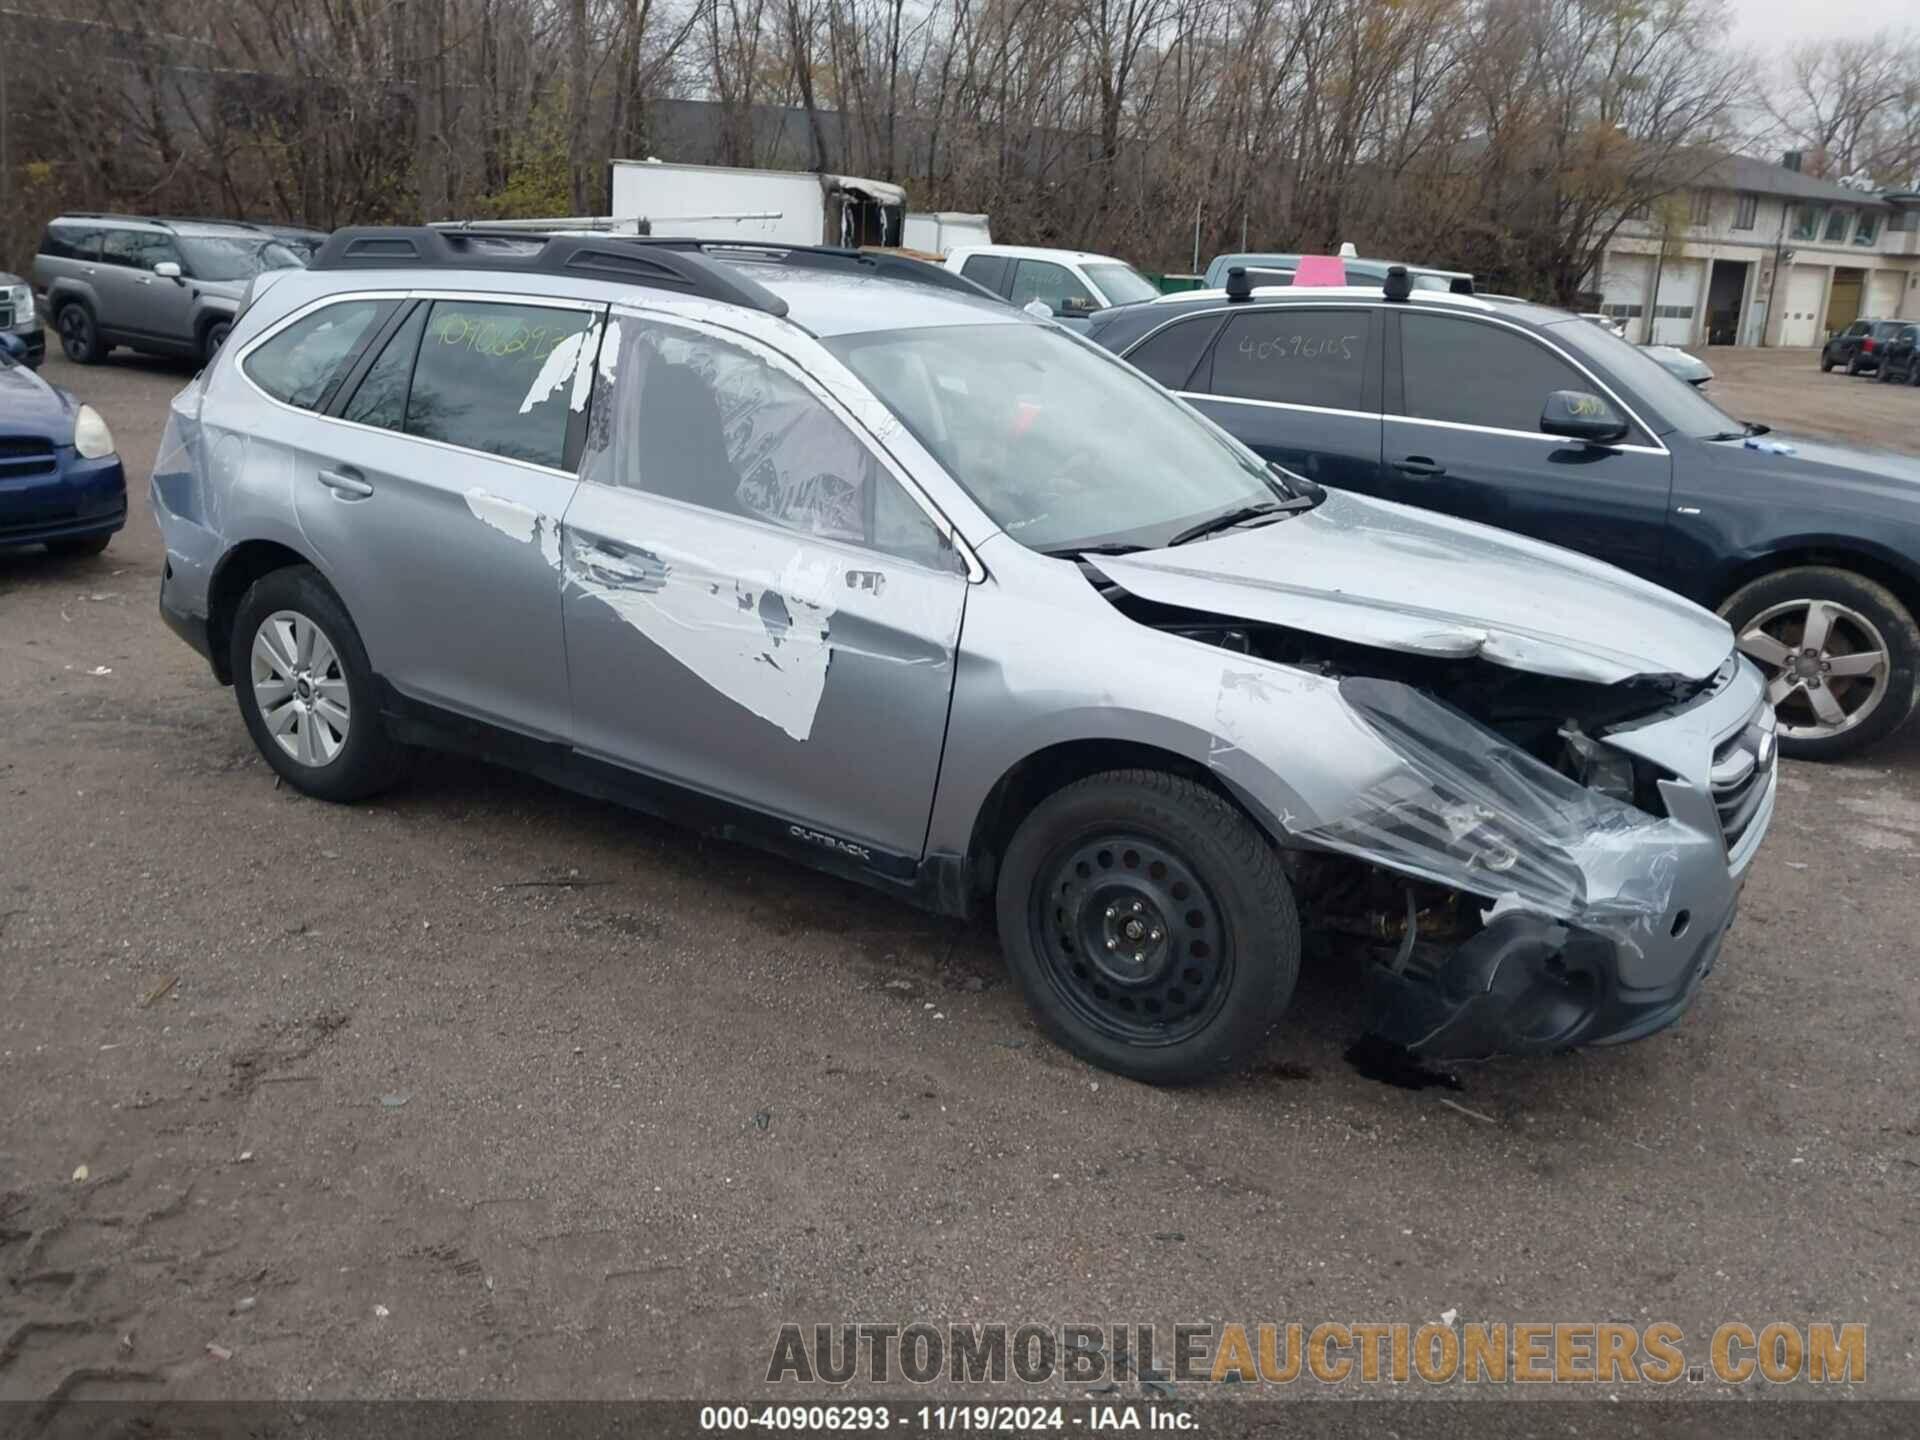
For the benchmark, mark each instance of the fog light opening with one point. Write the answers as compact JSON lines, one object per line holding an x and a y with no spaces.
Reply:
{"x":1680,"y":923}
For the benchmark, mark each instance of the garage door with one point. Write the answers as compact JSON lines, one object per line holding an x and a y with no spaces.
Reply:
{"x":1883,"y":294}
{"x":1623,"y":291}
{"x":1800,"y":325}
{"x":1675,"y":317}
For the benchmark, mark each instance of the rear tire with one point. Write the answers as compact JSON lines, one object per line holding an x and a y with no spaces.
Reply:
{"x":79,"y":334}
{"x":1167,"y":869}
{"x":306,"y":689}
{"x":1864,"y":701}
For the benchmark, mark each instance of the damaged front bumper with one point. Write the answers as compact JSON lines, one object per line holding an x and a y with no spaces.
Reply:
{"x":1601,"y":919}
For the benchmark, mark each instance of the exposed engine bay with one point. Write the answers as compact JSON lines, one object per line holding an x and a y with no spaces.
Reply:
{"x":1436,"y":953}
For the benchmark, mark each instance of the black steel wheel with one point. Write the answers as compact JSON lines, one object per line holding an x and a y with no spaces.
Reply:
{"x":1136,"y":945}
{"x":1150,"y":925}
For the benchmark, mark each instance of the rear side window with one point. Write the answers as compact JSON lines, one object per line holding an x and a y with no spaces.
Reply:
{"x":301,"y":365}
{"x":499,"y":378}
{"x":1859,"y":327}
{"x":1295,"y":357}
{"x":987,"y":270}
{"x":71,"y":242}
{"x":1171,"y":355}
{"x":1474,"y":374}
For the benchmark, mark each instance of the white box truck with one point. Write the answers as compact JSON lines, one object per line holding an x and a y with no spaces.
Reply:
{"x":939,"y":232}
{"x":777,"y":207}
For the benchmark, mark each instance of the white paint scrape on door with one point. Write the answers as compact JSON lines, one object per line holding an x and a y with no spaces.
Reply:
{"x":766,"y":649}
{"x":518,"y":522}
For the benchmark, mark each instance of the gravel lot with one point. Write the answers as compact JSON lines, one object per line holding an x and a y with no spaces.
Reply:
{"x":488,"y":1090}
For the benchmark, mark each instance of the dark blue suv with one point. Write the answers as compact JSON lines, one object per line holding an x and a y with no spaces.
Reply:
{"x":61,"y":483}
{"x":1543,"y":423}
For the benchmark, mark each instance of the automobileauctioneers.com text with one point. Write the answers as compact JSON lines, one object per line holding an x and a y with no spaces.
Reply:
{"x":1474,"y":1353}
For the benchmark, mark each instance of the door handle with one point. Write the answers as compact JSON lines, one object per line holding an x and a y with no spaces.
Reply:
{"x":345,"y":483}
{"x":144,"y":280}
{"x":1419,"y":465}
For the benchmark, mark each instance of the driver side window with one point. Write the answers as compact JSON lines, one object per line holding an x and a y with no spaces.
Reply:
{"x":701,"y":421}
{"x":1052,"y":285}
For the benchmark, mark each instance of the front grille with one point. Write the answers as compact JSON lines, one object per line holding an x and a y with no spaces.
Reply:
{"x":6,"y":317}
{"x":25,"y":455}
{"x":1742,"y":765}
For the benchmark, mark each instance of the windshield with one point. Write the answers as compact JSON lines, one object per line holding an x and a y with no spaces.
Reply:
{"x":211,"y":258}
{"x":1121,"y":284}
{"x":1061,"y":444}
{"x":1680,"y":406}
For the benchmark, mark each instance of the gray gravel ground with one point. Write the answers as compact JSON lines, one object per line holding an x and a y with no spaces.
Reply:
{"x":455,"y":1130}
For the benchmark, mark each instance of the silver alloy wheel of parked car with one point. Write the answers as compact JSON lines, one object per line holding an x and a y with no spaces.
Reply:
{"x":1827,"y":666}
{"x":300,"y":688}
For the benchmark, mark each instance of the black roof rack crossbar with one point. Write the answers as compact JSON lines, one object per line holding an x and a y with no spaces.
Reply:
{"x":617,"y":259}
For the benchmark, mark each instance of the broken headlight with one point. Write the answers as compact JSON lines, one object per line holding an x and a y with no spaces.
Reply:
{"x":1599,"y":767}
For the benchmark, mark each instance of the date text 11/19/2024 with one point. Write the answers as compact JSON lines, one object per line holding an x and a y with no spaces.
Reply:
{"x":1092,"y":1418}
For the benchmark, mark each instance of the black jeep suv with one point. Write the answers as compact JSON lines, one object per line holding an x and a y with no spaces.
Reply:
{"x":1540,"y":422}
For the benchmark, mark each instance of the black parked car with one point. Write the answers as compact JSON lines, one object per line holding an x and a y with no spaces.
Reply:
{"x":1859,"y":346}
{"x":1543,"y":423}
{"x":1897,"y":363}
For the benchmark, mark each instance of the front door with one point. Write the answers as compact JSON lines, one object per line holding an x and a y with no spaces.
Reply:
{"x":147,"y":306}
{"x":755,"y":607}
{"x":1463,"y":437}
{"x":433,"y":500}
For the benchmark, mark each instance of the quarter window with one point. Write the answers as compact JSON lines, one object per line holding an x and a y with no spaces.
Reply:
{"x":1295,"y":357}
{"x":1475,"y":374}
{"x":710,"y":424}
{"x":71,"y":242}
{"x":301,"y":364}
{"x":1171,"y":355}
{"x":498,"y":378}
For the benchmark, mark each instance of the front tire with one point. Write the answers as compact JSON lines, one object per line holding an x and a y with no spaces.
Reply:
{"x":1826,"y":363}
{"x":79,"y":335}
{"x":306,"y":689}
{"x":212,"y":338}
{"x":1150,"y":926}
{"x":1840,"y":653}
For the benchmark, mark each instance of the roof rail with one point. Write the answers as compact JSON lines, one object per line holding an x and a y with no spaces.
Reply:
{"x":611,"y":258}
{"x":879,"y":263}
{"x":111,"y":215}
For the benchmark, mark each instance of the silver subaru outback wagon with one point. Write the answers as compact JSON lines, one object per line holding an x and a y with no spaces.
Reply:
{"x":834,"y":554}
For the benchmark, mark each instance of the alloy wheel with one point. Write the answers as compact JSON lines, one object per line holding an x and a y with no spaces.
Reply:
{"x":73,"y":329}
{"x":1134,"y":943}
{"x":1827,"y":666}
{"x":301,"y":688}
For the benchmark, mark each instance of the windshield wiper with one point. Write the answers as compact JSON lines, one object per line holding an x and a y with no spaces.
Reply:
{"x":1240,"y":516}
{"x":1748,"y":428}
{"x":1074,"y":552}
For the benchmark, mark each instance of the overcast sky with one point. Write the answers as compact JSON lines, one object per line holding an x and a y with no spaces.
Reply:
{"x":1773,"y":24}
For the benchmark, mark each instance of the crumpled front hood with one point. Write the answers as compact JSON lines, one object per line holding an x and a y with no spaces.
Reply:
{"x":1376,"y":573}
{"x":29,"y":405}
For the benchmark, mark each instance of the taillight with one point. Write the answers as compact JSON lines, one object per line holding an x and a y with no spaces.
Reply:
{"x":1866,"y":347}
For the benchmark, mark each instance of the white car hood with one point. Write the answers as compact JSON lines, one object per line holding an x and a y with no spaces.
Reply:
{"x":1376,"y":573}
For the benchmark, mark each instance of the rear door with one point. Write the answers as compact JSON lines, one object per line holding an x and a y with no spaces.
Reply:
{"x":756,"y":606}
{"x":1300,"y":385}
{"x":1464,"y":396}
{"x":433,"y":495}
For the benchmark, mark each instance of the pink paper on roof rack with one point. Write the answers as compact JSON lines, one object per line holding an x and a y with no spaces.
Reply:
{"x":1319,"y":270}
